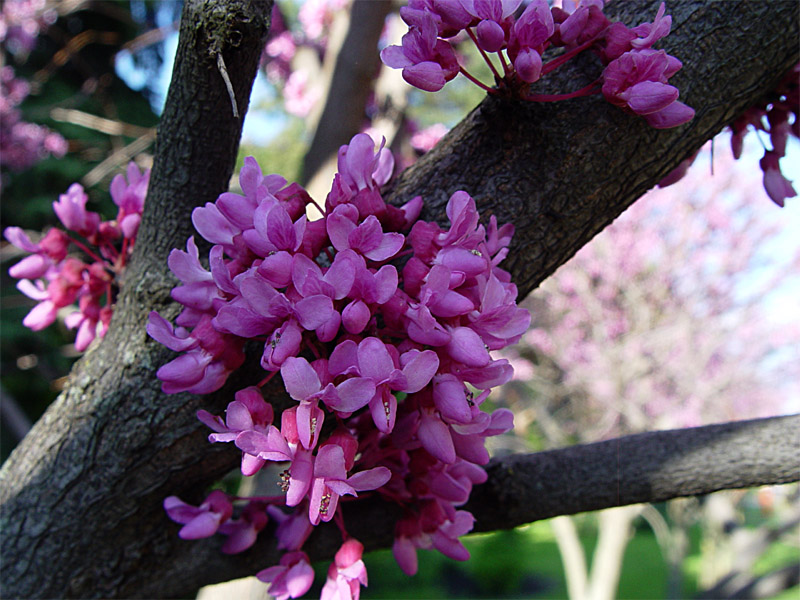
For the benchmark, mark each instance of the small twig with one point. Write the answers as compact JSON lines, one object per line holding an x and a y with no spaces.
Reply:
{"x":13,"y":416}
{"x":224,"y":72}
{"x":109,"y":126}
{"x":117,"y":158}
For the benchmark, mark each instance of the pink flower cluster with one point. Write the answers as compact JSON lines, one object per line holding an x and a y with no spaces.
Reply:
{"x":777,"y":116}
{"x":635,"y":77}
{"x":388,"y":366}
{"x":772,"y":116}
{"x":22,"y":144}
{"x":20,"y":22}
{"x":57,"y":279}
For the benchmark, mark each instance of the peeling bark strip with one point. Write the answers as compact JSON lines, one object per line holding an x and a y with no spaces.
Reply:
{"x":80,"y":498}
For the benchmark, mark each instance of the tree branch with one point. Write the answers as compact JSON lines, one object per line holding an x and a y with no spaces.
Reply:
{"x":80,"y":498}
{"x":522,"y":488}
{"x":79,"y":509}
{"x":562,"y":171}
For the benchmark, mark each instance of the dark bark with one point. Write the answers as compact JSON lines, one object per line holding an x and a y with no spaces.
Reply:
{"x":80,"y":512}
{"x":80,"y":499}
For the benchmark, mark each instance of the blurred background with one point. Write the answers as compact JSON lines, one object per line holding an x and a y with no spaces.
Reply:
{"x":684,"y":312}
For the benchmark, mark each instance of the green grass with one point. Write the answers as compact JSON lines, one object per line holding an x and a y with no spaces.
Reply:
{"x":519,"y":563}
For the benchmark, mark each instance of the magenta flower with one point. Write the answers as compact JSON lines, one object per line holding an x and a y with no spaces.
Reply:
{"x":248,"y":412}
{"x":778,"y":187}
{"x":362,"y":171}
{"x":199,"y":290}
{"x":293,"y":529}
{"x":303,"y":384}
{"x":331,"y":481}
{"x":371,"y":361}
{"x":211,"y":356}
{"x":129,"y":197}
{"x":71,"y":211}
{"x":441,"y":530}
{"x":366,"y":238}
{"x":200,"y":521}
{"x":291,"y":578}
{"x":450,"y":17}
{"x":527,"y":41}
{"x":637,"y":80}
{"x":583,"y":24}
{"x":311,"y":288}
{"x":427,"y":62}
{"x":346,"y":574}
{"x":242,"y":532}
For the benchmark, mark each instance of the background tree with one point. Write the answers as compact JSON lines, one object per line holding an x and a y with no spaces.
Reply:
{"x":108,"y":451}
{"x":659,"y":322}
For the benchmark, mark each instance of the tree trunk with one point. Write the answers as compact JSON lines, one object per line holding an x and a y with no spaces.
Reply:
{"x":80,"y":498}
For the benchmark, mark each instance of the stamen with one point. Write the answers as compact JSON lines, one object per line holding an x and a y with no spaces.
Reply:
{"x":284,"y":482}
{"x":275,"y":340}
{"x":324,"y":503}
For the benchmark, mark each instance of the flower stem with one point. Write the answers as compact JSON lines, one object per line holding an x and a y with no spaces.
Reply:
{"x":339,"y":520}
{"x":557,"y":62}
{"x":87,"y":250}
{"x":484,"y":55}
{"x":266,"y":379}
{"x":584,"y":91}
{"x":318,"y":207}
{"x":506,"y":65}
{"x":477,"y":82}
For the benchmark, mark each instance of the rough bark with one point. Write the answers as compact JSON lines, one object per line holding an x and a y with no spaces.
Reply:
{"x":80,"y":499}
{"x":80,"y":511}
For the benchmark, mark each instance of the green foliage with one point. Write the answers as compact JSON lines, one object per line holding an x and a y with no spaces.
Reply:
{"x":81,"y":77}
{"x":283,"y":156}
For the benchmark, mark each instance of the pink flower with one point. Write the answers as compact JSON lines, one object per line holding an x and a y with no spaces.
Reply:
{"x":129,"y":197}
{"x":201,"y":521}
{"x":71,"y":210}
{"x":778,"y":187}
{"x":303,"y":384}
{"x":637,"y":81}
{"x":293,"y":529}
{"x":291,"y":578}
{"x":427,"y":62}
{"x":372,"y":361}
{"x":528,"y":36}
{"x":346,"y":574}
{"x":427,"y":138}
{"x":248,"y":412}
{"x":331,"y":481}
{"x":211,"y":356}
{"x":242,"y":532}
{"x":366,"y":238}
